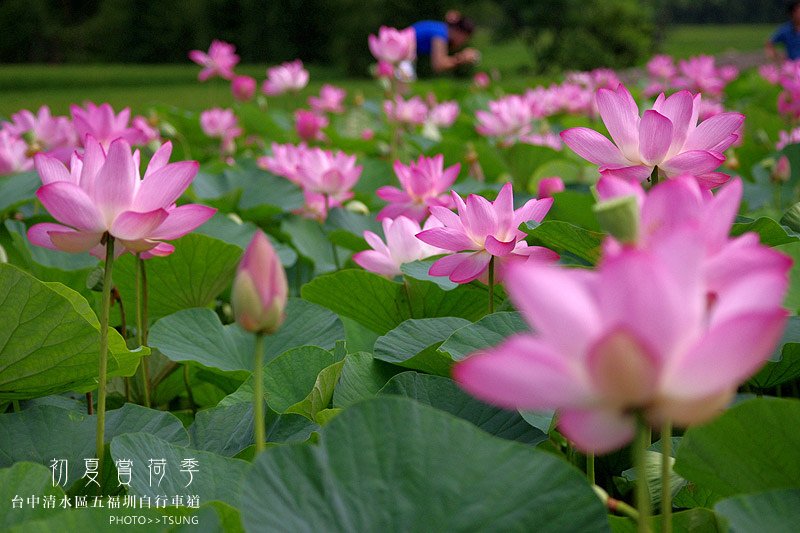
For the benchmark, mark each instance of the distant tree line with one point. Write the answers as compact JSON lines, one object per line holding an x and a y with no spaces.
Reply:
{"x":574,"y":33}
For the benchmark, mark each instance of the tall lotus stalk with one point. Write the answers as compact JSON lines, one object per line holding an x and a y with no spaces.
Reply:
{"x":103,"y":207}
{"x":259,"y":296}
{"x":141,"y":324}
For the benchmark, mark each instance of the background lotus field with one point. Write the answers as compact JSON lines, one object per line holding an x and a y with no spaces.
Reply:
{"x":365,"y":427}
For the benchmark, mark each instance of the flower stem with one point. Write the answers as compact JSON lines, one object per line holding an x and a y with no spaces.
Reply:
{"x":189,"y":394}
{"x":141,"y":324}
{"x":491,"y":285}
{"x":103,"y":354}
{"x":590,"y":467}
{"x":640,"y":462}
{"x":666,"y":472}
{"x":258,"y":394}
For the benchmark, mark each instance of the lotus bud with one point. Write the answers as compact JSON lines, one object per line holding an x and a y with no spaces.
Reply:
{"x":243,"y":88}
{"x":260,"y":289}
{"x":549,"y":186}
{"x":782,"y":170}
{"x":359,"y":208}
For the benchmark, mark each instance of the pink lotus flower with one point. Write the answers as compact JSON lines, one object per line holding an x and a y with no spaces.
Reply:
{"x":425,"y":184}
{"x":402,"y":246}
{"x":146,"y":132}
{"x":485,"y":230}
{"x":444,"y":114}
{"x":549,"y":186}
{"x":666,"y":136}
{"x":392,"y":45}
{"x":103,"y":124}
{"x":309,"y":125}
{"x":508,"y":119}
{"x":317,"y":205}
{"x":243,"y":88}
{"x":481,"y":80}
{"x":782,"y":170}
{"x":13,"y":154}
{"x":662,"y":71}
{"x":330,"y":100}
{"x":548,"y":139}
{"x":328,"y":173}
{"x":412,"y":111}
{"x":770,"y":73}
{"x":701,"y":75}
{"x":44,"y":132}
{"x":785,"y":138}
{"x":219,"y":61}
{"x":260,"y":290}
{"x":285,"y":161}
{"x":221,"y":124}
{"x":289,"y":76}
{"x":102,"y":193}
{"x":637,"y":336}
{"x":367,"y":134}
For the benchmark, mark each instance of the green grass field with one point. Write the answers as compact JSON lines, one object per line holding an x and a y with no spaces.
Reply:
{"x":141,"y":86}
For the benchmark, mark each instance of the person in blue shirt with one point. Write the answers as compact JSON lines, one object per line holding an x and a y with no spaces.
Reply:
{"x":787,"y":35}
{"x":440,"y":41}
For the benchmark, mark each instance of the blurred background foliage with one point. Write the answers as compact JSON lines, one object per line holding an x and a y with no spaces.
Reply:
{"x":581,"y":34}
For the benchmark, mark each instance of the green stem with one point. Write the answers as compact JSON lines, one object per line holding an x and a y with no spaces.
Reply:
{"x":89,"y":403}
{"x":141,"y":325}
{"x":335,"y":254}
{"x":590,"y":467}
{"x":623,"y":508}
{"x":640,"y":462}
{"x":491,"y":285}
{"x":407,"y":291}
{"x":103,"y":354}
{"x":189,"y":394}
{"x":15,"y":405}
{"x":666,"y":472}
{"x":258,"y":394}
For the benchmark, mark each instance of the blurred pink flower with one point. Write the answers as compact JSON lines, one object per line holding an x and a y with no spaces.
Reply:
{"x":309,"y":124}
{"x":785,"y":138}
{"x":219,"y":61}
{"x":328,"y":173}
{"x":444,"y":114}
{"x":289,"y":76}
{"x":102,"y":193}
{"x":782,"y":170}
{"x":260,"y":290}
{"x":481,"y":80}
{"x":637,"y":336}
{"x":482,"y":230}
{"x":392,"y":45}
{"x":700,"y":75}
{"x":13,"y":154}
{"x":769,"y":72}
{"x":384,"y":70}
{"x":549,"y":186}
{"x":508,"y":119}
{"x":44,"y":133}
{"x":146,"y":132}
{"x":425,"y":184}
{"x":243,"y":88}
{"x":317,"y":205}
{"x":221,"y":124}
{"x":666,"y":136}
{"x":284,"y":161}
{"x":330,"y":100}
{"x":401,"y":246}
{"x":367,"y":134}
{"x":548,"y":139}
{"x":103,"y":124}
{"x":662,"y":71}
{"x":412,"y":111}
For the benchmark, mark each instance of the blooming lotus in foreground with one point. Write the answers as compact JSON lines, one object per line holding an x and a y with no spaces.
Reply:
{"x":329,"y":173}
{"x":392,"y":45}
{"x":330,"y":100}
{"x":104,"y":125}
{"x":483,"y":230}
{"x":260,"y":289}
{"x":309,"y":125}
{"x":637,"y":336}
{"x":102,"y":194}
{"x":289,"y":76}
{"x":401,"y":246}
{"x":425,"y":184}
{"x":219,"y":61}
{"x":666,"y":136}
{"x":243,"y":88}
